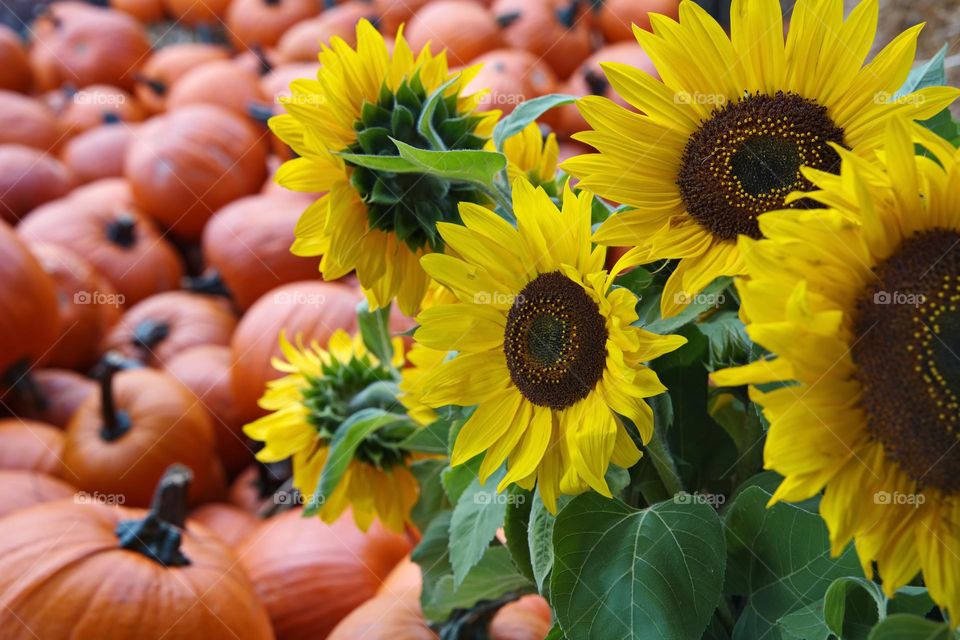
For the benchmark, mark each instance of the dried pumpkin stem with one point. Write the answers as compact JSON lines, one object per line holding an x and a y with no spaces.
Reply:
{"x":115,"y":422}
{"x":158,"y":535}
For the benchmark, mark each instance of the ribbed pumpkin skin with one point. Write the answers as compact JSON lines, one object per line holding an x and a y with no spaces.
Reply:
{"x":167,"y":65}
{"x":26,"y":121}
{"x":15,"y":73}
{"x":28,"y":445}
{"x":60,"y":392}
{"x":21,"y":489}
{"x":29,"y":178}
{"x":63,"y":575}
{"x":231,"y":524}
{"x":465,"y":28}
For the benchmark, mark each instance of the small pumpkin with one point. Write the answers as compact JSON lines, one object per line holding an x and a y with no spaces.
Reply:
{"x":554,"y":30}
{"x":156,"y":329}
{"x":262,"y":22}
{"x":99,"y":152}
{"x":205,"y":370}
{"x":89,"y":306}
{"x":188,"y":163}
{"x":143,"y":10}
{"x":29,"y":178}
{"x":27,"y":121}
{"x":15,"y":73}
{"x":100,"y":222}
{"x":122,"y":439}
{"x":301,"y":43}
{"x":191,"y":13}
{"x":21,"y":489}
{"x":223,"y":83}
{"x":167,"y":65}
{"x":465,"y":28}
{"x":392,"y":613}
{"x":528,"y":618}
{"x":50,"y":395}
{"x":512,"y":76}
{"x":95,"y":105}
{"x":231,"y":524}
{"x":615,"y":18}
{"x":30,"y":446}
{"x":286,"y":553}
{"x":115,"y":572}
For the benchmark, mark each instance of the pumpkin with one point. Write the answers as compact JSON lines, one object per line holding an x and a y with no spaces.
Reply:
{"x":27,"y":121}
{"x":465,"y":28}
{"x":15,"y":74}
{"x":553,"y":30}
{"x":143,"y":10}
{"x":231,"y":524}
{"x":294,"y":560}
{"x":223,"y":83}
{"x":393,"y":13}
{"x":96,"y":105}
{"x":312,"y":308}
{"x":30,"y":446}
{"x":528,"y":618}
{"x":79,"y":44}
{"x":29,"y":322}
{"x":301,"y":43}
{"x":615,"y":18}
{"x":205,"y":370}
{"x":120,"y":440}
{"x":100,"y":222}
{"x":161,"y":326}
{"x":254,"y":488}
{"x":263,"y":22}
{"x":28,"y":178}
{"x":50,"y":395}
{"x":21,"y":489}
{"x":116,"y":572}
{"x":191,"y":13}
{"x":188,"y":163}
{"x":169,"y":64}
{"x":512,"y":76}
{"x":89,"y":306}
{"x":248,"y":244}
{"x":98,"y":153}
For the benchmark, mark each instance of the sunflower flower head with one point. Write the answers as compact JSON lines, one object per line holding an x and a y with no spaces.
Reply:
{"x":377,"y":221}
{"x":725,"y":134}
{"x":860,"y":303}
{"x":532,"y":156}
{"x":546,"y":350}
{"x":320,"y":390}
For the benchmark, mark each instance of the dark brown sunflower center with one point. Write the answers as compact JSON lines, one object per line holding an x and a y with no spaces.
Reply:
{"x":746,"y":158}
{"x":908,"y":357}
{"x":555,"y":342}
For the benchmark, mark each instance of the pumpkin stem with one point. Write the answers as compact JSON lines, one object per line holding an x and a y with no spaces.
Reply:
{"x":567,"y":16}
{"x":596,"y":81}
{"x":208,"y":282}
{"x":257,"y":50}
{"x":157,"y":86}
{"x":507,"y":19}
{"x":474,"y":623}
{"x":272,"y":3}
{"x":158,"y":535}
{"x":18,"y":378}
{"x":115,"y":422}
{"x":149,"y":333}
{"x":260,"y":111}
{"x":122,"y":231}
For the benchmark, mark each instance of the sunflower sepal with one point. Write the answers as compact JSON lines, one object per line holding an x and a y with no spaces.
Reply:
{"x":464,"y":165}
{"x":374,"y":326}
{"x":525,"y":113}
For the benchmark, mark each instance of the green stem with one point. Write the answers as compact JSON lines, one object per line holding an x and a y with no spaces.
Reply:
{"x":663,"y":463}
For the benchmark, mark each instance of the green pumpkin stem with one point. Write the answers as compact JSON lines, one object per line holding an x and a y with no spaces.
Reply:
{"x":158,"y":535}
{"x":116,"y":422}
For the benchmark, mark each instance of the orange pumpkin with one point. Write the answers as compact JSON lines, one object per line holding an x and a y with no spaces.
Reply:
{"x":101,"y":223}
{"x":314,"y":309}
{"x":22,"y":489}
{"x":223,"y":83}
{"x":29,"y":178}
{"x":115,"y":572}
{"x":79,"y":44}
{"x":512,"y":76}
{"x":262,"y":22}
{"x":248,"y":244}
{"x":254,"y":488}
{"x":465,"y":28}
{"x":191,"y":13}
{"x":50,"y":395}
{"x":143,"y":10}
{"x":98,"y":153}
{"x":29,"y":122}
{"x":30,"y":446}
{"x":286,"y":554}
{"x":394,"y":13}
{"x":29,"y":322}
{"x":528,"y":618}
{"x":301,"y":43}
{"x":120,"y":441}
{"x":89,"y":306}
{"x":231,"y":524}
{"x":96,"y":105}
{"x":205,"y":370}
{"x":167,"y":65}
{"x":554,"y":30}
{"x":392,"y":613}
{"x":616,"y":17}
{"x":15,"y":74}
{"x":188,"y":163}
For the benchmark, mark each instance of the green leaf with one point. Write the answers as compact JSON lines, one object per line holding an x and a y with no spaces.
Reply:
{"x":540,"y":539}
{"x":375,"y":330}
{"x":728,"y":343}
{"x":478,"y":514}
{"x":391,"y":164}
{"x":852,"y":606}
{"x":425,"y":123}
{"x":556,"y":633}
{"x":909,"y":599}
{"x":902,"y":626}
{"x":638,"y":574}
{"x":931,"y":73}
{"x":636,"y":280}
{"x":432,"y":498}
{"x":431,"y":438}
{"x":467,"y":166}
{"x":711,"y":297}
{"x":525,"y":113}
{"x":515,"y":528}
{"x":457,"y":479}
{"x":745,"y":426}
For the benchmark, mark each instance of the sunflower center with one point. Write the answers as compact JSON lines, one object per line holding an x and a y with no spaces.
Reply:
{"x":555,"y":342}
{"x":410,"y":205}
{"x":746,"y":157}
{"x":908,"y":357}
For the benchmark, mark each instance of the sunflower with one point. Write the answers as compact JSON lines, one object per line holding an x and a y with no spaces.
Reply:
{"x":376,"y":222}
{"x":531,"y":156}
{"x":723,"y":137}
{"x":859,"y":302}
{"x":546,"y":350}
{"x":307,"y":406}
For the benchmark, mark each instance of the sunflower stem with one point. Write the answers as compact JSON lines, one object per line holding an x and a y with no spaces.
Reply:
{"x":664,"y":464}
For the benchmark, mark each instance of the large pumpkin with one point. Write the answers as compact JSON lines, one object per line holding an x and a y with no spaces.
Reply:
{"x":512,"y":76}
{"x":553,"y":30}
{"x":261,"y":23}
{"x":312,"y":309}
{"x":205,"y":370}
{"x":29,"y":322}
{"x":28,"y":178}
{"x":79,"y":44}
{"x":465,"y":28}
{"x":310,"y":574}
{"x":143,"y":10}
{"x":26,"y":121}
{"x":89,"y":306}
{"x":223,"y":83}
{"x":21,"y":489}
{"x":121,"y":440}
{"x":30,"y":446}
{"x":301,"y":43}
{"x":50,"y":395}
{"x":167,"y":65}
{"x":99,"y":153}
{"x":15,"y":74}
{"x":230,"y":523}
{"x":158,"y":328}
{"x":192,"y":13}
{"x":190,"y":162}
{"x":116,"y":573}
{"x":101,"y":223}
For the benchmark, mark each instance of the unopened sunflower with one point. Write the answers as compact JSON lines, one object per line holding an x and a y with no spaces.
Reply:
{"x":723,"y":137}
{"x":546,"y":350}
{"x":860,"y":303}
{"x":376,"y":222}
{"x":307,"y":406}
{"x":532,"y":156}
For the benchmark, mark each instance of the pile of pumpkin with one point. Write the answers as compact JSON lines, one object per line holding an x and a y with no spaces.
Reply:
{"x":144,"y":278}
